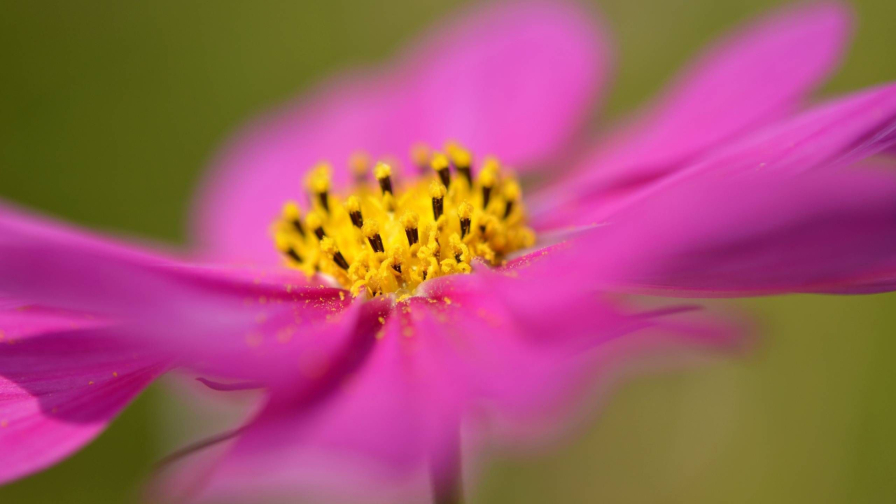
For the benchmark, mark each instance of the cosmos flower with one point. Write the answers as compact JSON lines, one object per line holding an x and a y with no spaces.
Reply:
{"x":402,"y":312}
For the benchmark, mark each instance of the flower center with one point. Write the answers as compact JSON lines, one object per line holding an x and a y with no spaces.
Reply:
{"x":391,"y":236}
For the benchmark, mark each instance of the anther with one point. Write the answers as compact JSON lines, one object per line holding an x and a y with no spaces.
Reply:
{"x":319,"y":184}
{"x":462,"y":161}
{"x":359,"y":163}
{"x":353,"y":207}
{"x":465,"y":213}
{"x":438,"y":192}
{"x":293,"y":215}
{"x":440,"y":164}
{"x":511,"y":195}
{"x":372,"y":231}
{"x":329,"y":247}
{"x":340,"y":260}
{"x":487,"y":179}
{"x":395,"y":256}
{"x":455,"y":243}
{"x":383,"y":173}
{"x":420,"y":154}
{"x":315,"y":223}
{"x":286,"y":248}
{"x":410,"y":222}
{"x":488,"y":224}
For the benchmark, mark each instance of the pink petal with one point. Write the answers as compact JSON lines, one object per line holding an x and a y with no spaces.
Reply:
{"x":528,"y":347}
{"x":62,"y":378}
{"x":59,"y":390}
{"x":120,"y":317}
{"x":300,"y":349}
{"x":751,"y":78}
{"x":19,"y":321}
{"x":510,"y":79}
{"x":831,"y":135}
{"x":828,"y":136}
{"x":755,"y":234}
{"x":873,"y":282}
{"x":513,"y":79}
{"x":470,"y":354}
{"x":369,"y":432}
{"x":16,"y":221}
{"x":219,"y":321}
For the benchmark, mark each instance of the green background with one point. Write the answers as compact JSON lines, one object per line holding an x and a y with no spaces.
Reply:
{"x":110,"y":109}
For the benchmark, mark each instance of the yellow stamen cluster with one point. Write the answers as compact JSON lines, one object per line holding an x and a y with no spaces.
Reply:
{"x":390,"y":236}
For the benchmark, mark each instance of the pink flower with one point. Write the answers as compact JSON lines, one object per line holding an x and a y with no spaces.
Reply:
{"x":725,"y":186}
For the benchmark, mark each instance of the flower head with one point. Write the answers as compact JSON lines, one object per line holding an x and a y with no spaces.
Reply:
{"x":390,"y":239}
{"x":410,"y":307}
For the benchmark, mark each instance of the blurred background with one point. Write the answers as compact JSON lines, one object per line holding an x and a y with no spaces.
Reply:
{"x":109,"y":110}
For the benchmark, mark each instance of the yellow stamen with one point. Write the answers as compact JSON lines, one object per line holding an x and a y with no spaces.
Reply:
{"x":353,"y":207}
{"x":488,"y":177}
{"x":437,"y":192}
{"x":359,"y":163}
{"x":293,"y":216}
{"x":511,"y":195}
{"x":439,"y":163}
{"x":410,"y":221}
{"x":316,"y":224}
{"x":371,"y":231}
{"x":383,"y":174}
{"x":329,"y":248}
{"x":462,"y":160}
{"x":420,"y":154}
{"x":389,"y":243}
{"x":465,"y":214}
{"x":319,"y":184}
{"x":285,"y":246}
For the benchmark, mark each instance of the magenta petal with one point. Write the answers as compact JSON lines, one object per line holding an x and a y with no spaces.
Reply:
{"x":299,"y":349}
{"x":63,"y":375}
{"x":529,"y":348}
{"x":828,"y":136}
{"x":755,"y":234}
{"x":16,"y":223}
{"x":220,"y":321}
{"x":19,"y":321}
{"x":401,"y":410}
{"x":65,"y":271}
{"x":59,"y":390}
{"x":831,"y":135}
{"x":871,"y":282}
{"x":751,"y":78}
{"x":370,"y":432}
{"x":754,"y":76}
{"x":509,"y":79}
{"x":472,"y":356}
